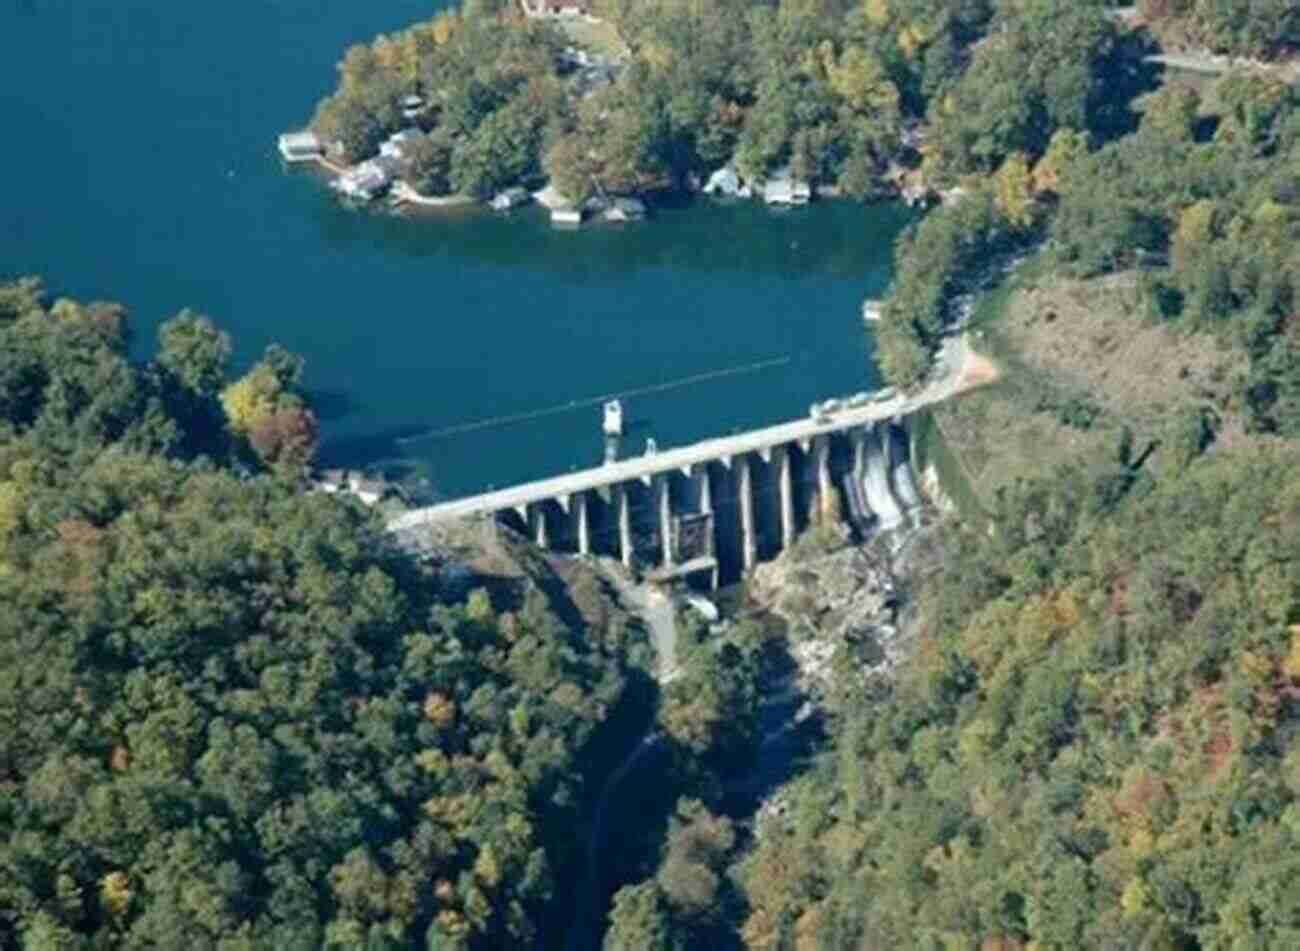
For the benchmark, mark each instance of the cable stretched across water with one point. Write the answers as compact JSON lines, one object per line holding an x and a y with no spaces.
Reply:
{"x":508,"y":418}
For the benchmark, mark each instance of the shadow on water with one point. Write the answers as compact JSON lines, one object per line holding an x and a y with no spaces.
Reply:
{"x":369,"y":449}
{"x":683,"y":233}
{"x":379,"y":454}
{"x":332,"y":405}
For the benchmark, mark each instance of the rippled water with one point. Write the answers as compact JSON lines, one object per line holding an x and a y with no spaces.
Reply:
{"x":140,"y":166}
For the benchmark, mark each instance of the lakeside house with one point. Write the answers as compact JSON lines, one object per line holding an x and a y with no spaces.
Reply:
{"x":304,"y":146}
{"x":915,"y":194}
{"x":563,"y":211}
{"x":912,"y":136}
{"x":726,"y":182}
{"x":571,"y":57}
{"x":397,"y":146}
{"x":412,"y":107}
{"x":556,"y":8}
{"x":782,"y":189}
{"x":625,"y":209}
{"x":510,"y":198}
{"x":369,"y":491}
{"x":871,"y":310}
{"x":366,"y":181}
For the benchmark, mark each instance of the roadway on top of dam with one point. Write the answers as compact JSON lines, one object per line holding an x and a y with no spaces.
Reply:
{"x":952,"y":374}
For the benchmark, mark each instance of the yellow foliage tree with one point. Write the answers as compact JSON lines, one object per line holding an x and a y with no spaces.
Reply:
{"x":1065,"y":147}
{"x":1195,"y":229}
{"x":115,"y":892}
{"x":859,"y":78}
{"x":444,"y":27}
{"x":1135,"y":897}
{"x":11,"y":512}
{"x":250,"y":400}
{"x":439,"y":709}
{"x":911,"y":38}
{"x":1013,"y":192}
{"x":487,"y":868}
{"x":1291,"y":665}
{"x":877,"y":12}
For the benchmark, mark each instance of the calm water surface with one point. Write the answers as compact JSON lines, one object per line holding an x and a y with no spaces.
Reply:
{"x":140,"y":166}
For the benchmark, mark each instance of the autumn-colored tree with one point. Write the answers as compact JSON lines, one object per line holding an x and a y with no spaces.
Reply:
{"x":286,"y":437}
{"x":1013,"y":187}
{"x":1065,"y":148}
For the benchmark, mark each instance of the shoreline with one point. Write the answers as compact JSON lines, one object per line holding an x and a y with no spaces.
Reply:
{"x":403,"y":194}
{"x":402,"y":197}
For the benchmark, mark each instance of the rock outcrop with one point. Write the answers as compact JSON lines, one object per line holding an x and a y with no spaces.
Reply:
{"x":842,"y":602}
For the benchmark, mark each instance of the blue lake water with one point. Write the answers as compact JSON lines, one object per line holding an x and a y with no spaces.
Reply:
{"x":139,"y":166}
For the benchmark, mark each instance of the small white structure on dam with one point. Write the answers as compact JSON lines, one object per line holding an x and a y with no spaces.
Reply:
{"x":612,"y":424}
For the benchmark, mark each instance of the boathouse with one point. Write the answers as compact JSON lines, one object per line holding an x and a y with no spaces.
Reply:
{"x":302,"y":146}
{"x":510,"y":198}
{"x":625,"y":209}
{"x":782,"y":189}
{"x":556,"y":8}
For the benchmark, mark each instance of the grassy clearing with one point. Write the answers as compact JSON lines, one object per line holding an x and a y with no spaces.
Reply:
{"x":1081,"y":363}
{"x":599,"y":37}
{"x":930,"y":448}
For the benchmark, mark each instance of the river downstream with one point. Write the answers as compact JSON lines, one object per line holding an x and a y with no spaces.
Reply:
{"x":157,"y":132}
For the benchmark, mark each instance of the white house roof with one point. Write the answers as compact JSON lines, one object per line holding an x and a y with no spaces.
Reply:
{"x":778,"y":189}
{"x":366,"y":177}
{"x":724,"y":180}
{"x":300,"y":141}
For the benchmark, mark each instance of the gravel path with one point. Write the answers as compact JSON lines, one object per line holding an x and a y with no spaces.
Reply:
{"x":656,"y":610}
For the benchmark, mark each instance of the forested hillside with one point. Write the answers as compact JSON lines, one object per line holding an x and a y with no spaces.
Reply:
{"x":1095,"y":747}
{"x":1194,"y":181}
{"x":230,"y":714}
{"x":1096,"y":743}
{"x":234,"y":715}
{"x":1264,"y":28}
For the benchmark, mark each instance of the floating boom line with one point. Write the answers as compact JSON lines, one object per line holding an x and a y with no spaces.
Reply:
{"x":509,"y":418}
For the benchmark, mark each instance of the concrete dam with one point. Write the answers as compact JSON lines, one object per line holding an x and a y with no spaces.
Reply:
{"x":711,"y":510}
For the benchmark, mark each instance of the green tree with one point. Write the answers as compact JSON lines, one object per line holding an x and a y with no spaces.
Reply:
{"x":195,"y":352}
{"x":428,"y":168}
{"x":639,"y":920}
